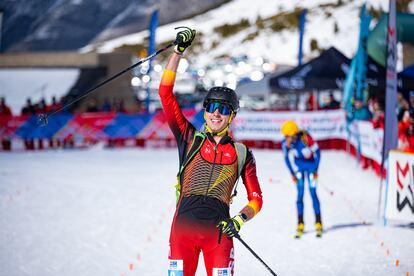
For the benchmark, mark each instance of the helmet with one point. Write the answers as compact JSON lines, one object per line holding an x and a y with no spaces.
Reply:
{"x":222,"y":94}
{"x":290,"y":128}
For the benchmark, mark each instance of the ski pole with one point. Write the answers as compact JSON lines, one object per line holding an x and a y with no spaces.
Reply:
{"x":254,"y":254}
{"x":42,"y":118}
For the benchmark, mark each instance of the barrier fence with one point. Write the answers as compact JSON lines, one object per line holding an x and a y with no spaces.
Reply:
{"x":256,"y":129}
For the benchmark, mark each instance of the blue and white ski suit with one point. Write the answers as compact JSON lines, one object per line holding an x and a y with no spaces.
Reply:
{"x":302,"y":158}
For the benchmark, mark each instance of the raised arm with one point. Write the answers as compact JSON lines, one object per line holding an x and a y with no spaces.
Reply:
{"x":175,"y":118}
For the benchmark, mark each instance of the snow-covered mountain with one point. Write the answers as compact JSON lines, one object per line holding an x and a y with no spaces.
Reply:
{"x":52,"y":25}
{"x":265,"y":28}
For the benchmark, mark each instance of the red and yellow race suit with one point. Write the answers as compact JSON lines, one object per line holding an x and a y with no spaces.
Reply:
{"x":207,"y":182}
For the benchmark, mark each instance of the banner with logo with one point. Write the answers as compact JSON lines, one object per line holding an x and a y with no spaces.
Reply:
{"x":9,"y":126}
{"x":370,"y":139}
{"x":127,"y":126}
{"x":366,"y":139}
{"x":266,"y":125}
{"x":88,"y":126}
{"x":399,"y":198}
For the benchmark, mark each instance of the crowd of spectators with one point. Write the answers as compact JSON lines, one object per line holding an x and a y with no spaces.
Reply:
{"x":406,"y":125}
{"x":373,"y":110}
{"x":41,"y":107}
{"x":117,"y":105}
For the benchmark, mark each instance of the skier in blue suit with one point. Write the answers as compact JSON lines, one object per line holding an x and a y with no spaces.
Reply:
{"x":302,"y":156}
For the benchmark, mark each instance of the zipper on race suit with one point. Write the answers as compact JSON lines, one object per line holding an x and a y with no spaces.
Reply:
{"x":212,"y":170}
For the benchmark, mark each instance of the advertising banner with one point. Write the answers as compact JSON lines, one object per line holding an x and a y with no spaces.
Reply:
{"x":371,"y":140}
{"x":87,"y":126}
{"x":399,"y":198}
{"x":266,"y":125}
{"x":9,"y":126}
{"x":127,"y":126}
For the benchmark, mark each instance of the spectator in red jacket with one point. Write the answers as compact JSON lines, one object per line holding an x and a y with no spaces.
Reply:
{"x":406,"y":132}
{"x":54,"y":106}
{"x":4,"y":112}
{"x":377,"y":115}
{"x":4,"y":109}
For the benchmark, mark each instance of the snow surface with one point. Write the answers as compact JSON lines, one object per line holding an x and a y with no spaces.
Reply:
{"x":16,"y":85}
{"x":108,"y":212}
{"x":278,"y":47}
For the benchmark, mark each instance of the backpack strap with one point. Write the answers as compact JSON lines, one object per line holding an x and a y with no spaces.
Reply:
{"x":241,"y":151}
{"x":198,"y":140}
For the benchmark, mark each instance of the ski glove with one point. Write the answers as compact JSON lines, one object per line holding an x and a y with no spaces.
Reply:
{"x":231,"y":227}
{"x":184,"y":39}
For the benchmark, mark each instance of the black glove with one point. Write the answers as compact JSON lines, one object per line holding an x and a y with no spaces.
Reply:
{"x":231,"y":227}
{"x":184,"y":39}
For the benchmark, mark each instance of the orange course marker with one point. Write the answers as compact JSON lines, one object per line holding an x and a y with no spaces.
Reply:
{"x":397,"y":262}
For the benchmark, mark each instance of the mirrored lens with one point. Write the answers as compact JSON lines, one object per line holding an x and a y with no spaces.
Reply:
{"x":223,"y":109}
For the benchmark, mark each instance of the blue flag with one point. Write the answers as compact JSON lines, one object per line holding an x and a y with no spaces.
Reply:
{"x":152,"y":28}
{"x":302,"y":21}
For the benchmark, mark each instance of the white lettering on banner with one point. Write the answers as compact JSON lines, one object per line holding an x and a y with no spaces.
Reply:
{"x":292,"y":83}
{"x":400,"y":187}
{"x":266,"y":125}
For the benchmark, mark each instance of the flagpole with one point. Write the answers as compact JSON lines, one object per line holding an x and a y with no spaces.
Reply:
{"x":390,"y":140}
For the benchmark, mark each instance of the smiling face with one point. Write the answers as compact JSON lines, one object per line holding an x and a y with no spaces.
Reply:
{"x":216,"y":122}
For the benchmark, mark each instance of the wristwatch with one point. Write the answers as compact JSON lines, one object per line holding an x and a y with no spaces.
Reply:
{"x":244,"y":217}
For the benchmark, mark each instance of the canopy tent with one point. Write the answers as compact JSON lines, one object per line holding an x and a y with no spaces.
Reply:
{"x":376,"y":79}
{"x":377,"y":39}
{"x":326,"y":72}
{"x":367,"y":69}
{"x":408,"y":71}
